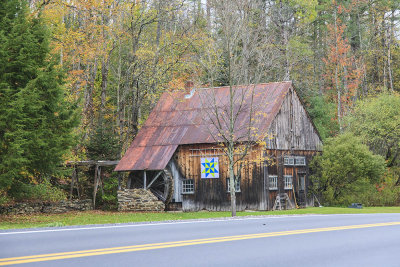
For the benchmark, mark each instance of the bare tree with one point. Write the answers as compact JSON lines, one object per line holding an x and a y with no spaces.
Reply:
{"x":237,"y":54}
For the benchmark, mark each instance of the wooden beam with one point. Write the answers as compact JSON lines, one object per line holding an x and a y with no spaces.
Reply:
{"x":119,"y":181}
{"x":101,"y":181}
{"x":96,"y":184}
{"x":128,"y":185}
{"x":93,"y":162}
{"x":144,"y":179}
{"x":72,"y":183}
{"x":107,"y":162}
{"x":77,"y":182}
{"x":154,"y":179}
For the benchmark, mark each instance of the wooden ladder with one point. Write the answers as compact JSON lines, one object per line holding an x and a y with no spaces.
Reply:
{"x":282,"y":198}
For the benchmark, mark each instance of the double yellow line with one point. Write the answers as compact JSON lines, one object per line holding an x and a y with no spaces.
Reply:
{"x":104,"y":251}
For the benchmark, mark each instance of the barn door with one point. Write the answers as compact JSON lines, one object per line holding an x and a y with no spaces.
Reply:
{"x":301,"y":198}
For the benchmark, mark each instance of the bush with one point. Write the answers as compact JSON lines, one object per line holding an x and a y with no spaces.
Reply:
{"x":346,"y":172}
{"x":3,"y":198}
{"x":108,"y":200}
{"x":387,"y":192}
{"x":36,"y":192}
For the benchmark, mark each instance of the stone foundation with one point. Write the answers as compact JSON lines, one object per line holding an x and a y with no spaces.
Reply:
{"x":47,"y":207}
{"x":138,"y":200}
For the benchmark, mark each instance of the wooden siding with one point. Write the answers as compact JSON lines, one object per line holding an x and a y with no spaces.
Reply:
{"x":212,"y":194}
{"x":292,"y":129}
{"x":276,"y":167}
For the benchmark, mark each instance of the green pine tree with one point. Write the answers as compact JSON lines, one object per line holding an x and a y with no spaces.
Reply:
{"x":36,"y":122}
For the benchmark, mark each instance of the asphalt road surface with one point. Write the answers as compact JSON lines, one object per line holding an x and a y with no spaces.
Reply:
{"x":307,"y":240}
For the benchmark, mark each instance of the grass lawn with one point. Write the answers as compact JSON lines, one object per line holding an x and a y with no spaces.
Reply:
{"x":104,"y":217}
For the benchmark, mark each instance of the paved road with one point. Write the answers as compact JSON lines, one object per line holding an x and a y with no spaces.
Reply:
{"x":313,"y":240}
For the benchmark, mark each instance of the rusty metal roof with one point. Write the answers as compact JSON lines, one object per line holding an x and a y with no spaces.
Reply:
{"x":177,"y":120}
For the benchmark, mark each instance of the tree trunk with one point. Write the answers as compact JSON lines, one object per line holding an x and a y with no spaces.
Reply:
{"x":208,"y":14}
{"x":232,"y":184}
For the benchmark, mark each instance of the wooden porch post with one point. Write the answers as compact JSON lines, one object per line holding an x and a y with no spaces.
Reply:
{"x":96,"y":184}
{"x":77,"y":182}
{"x":74,"y":183}
{"x":144,"y":180}
{"x":119,"y":181}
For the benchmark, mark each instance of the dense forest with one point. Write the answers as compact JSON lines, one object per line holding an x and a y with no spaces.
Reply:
{"x":78,"y":78}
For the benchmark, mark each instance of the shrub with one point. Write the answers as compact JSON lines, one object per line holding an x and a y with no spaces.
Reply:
{"x":347,"y":171}
{"x":108,"y":200}
{"x":36,"y":192}
{"x":3,"y":198}
{"x":387,"y":192}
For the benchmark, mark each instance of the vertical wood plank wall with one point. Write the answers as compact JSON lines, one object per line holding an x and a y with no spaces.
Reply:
{"x":276,"y":167}
{"x":212,"y":194}
{"x":292,"y":129}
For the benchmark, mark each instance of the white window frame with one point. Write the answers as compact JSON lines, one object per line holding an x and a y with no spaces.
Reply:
{"x":288,"y":181}
{"x":302,"y":161}
{"x":188,"y":186}
{"x":273,"y":182}
{"x":288,"y":161}
{"x":228,"y":185}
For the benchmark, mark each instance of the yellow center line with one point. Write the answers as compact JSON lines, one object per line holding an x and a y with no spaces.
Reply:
{"x":104,"y":251}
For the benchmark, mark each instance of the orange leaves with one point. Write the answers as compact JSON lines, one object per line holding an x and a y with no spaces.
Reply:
{"x":343,"y":71}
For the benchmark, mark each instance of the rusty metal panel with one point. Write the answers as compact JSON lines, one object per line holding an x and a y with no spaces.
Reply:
{"x":146,"y":158}
{"x":177,"y":120}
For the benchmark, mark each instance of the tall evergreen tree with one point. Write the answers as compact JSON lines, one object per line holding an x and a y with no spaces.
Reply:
{"x":35,"y":121}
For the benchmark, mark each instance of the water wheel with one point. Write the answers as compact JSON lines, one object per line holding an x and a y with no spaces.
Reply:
{"x":160,"y":183}
{"x":163,"y":186}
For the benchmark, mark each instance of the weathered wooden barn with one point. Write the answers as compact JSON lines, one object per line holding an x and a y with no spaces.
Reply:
{"x":176,"y":158}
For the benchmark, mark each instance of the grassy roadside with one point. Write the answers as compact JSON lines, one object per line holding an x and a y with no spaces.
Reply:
{"x":103,"y":217}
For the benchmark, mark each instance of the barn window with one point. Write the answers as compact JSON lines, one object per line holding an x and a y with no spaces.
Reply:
{"x":300,"y":161}
{"x":188,"y":186}
{"x":273,"y":182}
{"x":302,"y":179}
{"x":288,"y":181}
{"x":288,"y":160}
{"x":237,"y":186}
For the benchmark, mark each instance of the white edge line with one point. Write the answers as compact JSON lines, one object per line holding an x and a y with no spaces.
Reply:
{"x":178,"y":222}
{"x":124,"y":226}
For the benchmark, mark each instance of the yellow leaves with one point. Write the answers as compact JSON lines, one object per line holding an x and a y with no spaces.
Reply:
{"x":178,"y":83}
{"x":305,"y":10}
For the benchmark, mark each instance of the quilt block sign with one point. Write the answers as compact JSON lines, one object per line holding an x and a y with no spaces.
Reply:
{"x":209,"y":168}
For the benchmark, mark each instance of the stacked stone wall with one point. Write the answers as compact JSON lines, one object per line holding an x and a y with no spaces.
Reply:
{"x":138,"y":200}
{"x":47,"y":207}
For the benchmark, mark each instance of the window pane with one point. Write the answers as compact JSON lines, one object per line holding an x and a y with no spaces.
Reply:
{"x":303,"y":182}
{"x":273,"y":182}
{"x":237,"y":186}
{"x":288,"y":161}
{"x":187,"y":186}
{"x":300,"y":161}
{"x":288,"y":181}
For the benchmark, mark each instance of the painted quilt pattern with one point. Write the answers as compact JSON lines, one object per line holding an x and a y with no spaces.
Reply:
{"x":209,"y":168}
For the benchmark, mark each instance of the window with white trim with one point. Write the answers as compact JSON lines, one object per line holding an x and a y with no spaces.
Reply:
{"x":288,"y":181}
{"x":273,"y":182}
{"x":300,"y":161}
{"x":188,"y":186}
{"x":288,"y":161}
{"x":237,"y":186}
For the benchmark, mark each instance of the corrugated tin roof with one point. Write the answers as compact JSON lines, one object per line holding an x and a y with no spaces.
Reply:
{"x":177,"y":120}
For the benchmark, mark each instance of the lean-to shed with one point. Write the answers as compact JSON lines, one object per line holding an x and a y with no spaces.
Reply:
{"x":175,"y":154}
